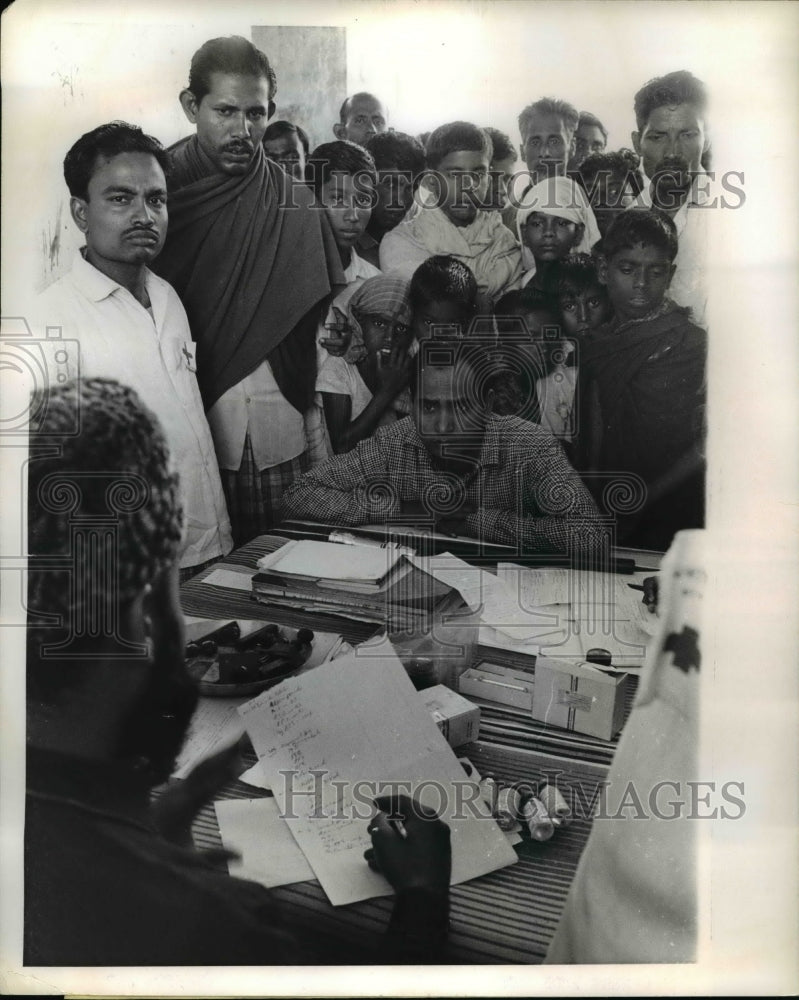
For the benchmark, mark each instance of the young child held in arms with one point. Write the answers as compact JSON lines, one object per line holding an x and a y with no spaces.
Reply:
{"x":443,"y":298}
{"x":450,"y":220}
{"x":642,"y":386}
{"x":367,"y":388}
{"x":554,"y":220}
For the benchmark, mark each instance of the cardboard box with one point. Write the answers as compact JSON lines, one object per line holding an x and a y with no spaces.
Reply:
{"x":495,"y":682}
{"x":457,"y":718}
{"x":579,"y":696}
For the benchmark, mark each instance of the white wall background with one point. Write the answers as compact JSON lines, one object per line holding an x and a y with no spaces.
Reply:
{"x":68,"y":66}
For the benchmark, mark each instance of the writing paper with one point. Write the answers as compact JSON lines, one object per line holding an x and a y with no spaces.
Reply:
{"x":330,"y":560}
{"x":344,"y":732}
{"x":269,"y":853}
{"x":215,"y":724}
{"x":232,"y":577}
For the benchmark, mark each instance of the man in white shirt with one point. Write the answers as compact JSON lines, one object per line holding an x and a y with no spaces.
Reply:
{"x":129,"y":323}
{"x":672,"y":140}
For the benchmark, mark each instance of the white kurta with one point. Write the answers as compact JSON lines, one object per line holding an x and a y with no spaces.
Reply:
{"x":151,"y":351}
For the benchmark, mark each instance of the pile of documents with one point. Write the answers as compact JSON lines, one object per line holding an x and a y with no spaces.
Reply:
{"x":364,"y":582}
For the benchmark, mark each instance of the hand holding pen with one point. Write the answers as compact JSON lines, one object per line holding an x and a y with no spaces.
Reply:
{"x":410,"y":844}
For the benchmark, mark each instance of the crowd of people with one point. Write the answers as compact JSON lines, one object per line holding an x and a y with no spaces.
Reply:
{"x":380,"y":327}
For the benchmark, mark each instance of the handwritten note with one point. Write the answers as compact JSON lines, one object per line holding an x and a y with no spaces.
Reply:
{"x":330,"y":740}
{"x":215,"y":724}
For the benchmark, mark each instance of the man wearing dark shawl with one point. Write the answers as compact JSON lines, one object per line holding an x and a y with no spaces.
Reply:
{"x":642,"y":390}
{"x":254,"y":261}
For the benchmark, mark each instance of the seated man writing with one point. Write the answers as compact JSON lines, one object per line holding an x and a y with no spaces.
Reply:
{"x":454,"y":464}
{"x":111,"y":879}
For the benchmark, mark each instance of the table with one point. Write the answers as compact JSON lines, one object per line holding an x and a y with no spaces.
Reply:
{"x":508,"y":916}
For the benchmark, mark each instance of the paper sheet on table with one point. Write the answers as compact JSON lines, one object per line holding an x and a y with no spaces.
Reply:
{"x":498,"y":603}
{"x":590,"y":595}
{"x":269,"y":852}
{"x":216,"y":723}
{"x":232,"y":577}
{"x":356,"y":727}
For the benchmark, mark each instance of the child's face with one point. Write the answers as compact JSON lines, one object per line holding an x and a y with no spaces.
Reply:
{"x":394,"y":197}
{"x":461,"y":185}
{"x":549,"y":237}
{"x":636,"y":280}
{"x":610,"y":196}
{"x":501,"y":176}
{"x":583,"y":309}
{"x":381,"y":333}
{"x":442,"y":318}
{"x":348,"y":202}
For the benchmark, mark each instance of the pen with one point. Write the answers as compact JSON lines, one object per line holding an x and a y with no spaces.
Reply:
{"x":399,"y":826}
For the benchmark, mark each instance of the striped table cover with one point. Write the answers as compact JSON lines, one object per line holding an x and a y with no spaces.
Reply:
{"x":506,"y":917}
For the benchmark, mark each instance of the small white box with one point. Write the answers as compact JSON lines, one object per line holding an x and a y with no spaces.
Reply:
{"x":457,"y":718}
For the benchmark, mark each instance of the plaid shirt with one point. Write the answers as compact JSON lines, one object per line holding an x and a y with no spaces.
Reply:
{"x":524,"y":490}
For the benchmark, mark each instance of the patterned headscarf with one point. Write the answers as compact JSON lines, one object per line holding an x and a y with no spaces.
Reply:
{"x":383,"y":295}
{"x":562,"y":197}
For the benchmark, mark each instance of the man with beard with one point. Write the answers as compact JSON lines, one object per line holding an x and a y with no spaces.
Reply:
{"x":500,"y":479}
{"x":672,"y":140}
{"x":111,"y":879}
{"x":254,"y":261}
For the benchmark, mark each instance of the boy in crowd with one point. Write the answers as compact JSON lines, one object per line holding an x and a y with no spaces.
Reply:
{"x":458,"y":158}
{"x":399,"y":160}
{"x":361,"y":116}
{"x":583,"y":299}
{"x":342,"y":176}
{"x":612,"y":182}
{"x":129,"y":323}
{"x":642,"y":385}
{"x":590,"y":137}
{"x":503,"y":162}
{"x":287,"y":145}
{"x":443,"y":298}
{"x":554,"y":220}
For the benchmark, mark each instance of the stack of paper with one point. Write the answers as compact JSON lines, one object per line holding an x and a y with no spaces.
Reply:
{"x":356,"y":581}
{"x":331,"y":740}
